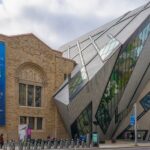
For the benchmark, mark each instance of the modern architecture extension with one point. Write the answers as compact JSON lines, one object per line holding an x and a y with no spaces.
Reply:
{"x":112,"y":73}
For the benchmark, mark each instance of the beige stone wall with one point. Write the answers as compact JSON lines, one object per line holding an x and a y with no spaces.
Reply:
{"x":27,"y":51}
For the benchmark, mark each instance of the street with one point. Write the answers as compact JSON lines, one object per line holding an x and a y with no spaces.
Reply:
{"x":135,"y":148}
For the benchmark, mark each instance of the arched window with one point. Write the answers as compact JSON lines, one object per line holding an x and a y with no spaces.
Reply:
{"x":31,"y":81}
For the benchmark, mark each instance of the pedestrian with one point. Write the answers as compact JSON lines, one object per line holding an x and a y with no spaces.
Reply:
{"x":29,"y":134}
{"x":1,"y":141}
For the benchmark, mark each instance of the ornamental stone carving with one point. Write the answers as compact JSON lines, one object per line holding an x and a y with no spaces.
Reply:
{"x":30,"y":72}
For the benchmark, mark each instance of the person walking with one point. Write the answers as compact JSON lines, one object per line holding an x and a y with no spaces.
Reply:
{"x":1,"y":141}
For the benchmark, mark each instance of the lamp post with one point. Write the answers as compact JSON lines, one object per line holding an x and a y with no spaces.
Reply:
{"x":135,"y":125}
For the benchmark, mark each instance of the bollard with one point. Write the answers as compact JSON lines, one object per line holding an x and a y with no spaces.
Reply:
{"x":66,"y":143}
{"x":13,"y":145}
{"x":82,"y":143}
{"x":61,"y":144}
{"x":55,"y":144}
{"x":78,"y":143}
{"x":72,"y":143}
{"x":28,"y":145}
{"x":42,"y":144}
{"x":31,"y":145}
{"x":49,"y":145}
{"x":20,"y":146}
{"x":88,"y":140}
{"x":4,"y":146}
{"x":9,"y":146}
{"x":25,"y":144}
{"x":35,"y":145}
{"x":38,"y":146}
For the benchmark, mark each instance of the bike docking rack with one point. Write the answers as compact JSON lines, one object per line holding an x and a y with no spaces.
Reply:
{"x":46,"y":144}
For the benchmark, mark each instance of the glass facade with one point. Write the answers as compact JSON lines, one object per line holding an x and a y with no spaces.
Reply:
{"x":145,"y":102}
{"x":119,"y":78}
{"x":83,"y":124}
{"x":130,"y":135}
{"x":76,"y":83}
{"x":108,"y":48}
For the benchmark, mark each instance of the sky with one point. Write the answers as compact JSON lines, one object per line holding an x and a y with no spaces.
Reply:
{"x":57,"y":22}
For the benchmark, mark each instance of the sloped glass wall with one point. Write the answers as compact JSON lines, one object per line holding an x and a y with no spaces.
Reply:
{"x":120,"y":76}
{"x":83,"y":124}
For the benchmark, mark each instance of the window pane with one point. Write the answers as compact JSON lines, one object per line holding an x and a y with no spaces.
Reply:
{"x":31,"y":122}
{"x":38,"y":90}
{"x":39,"y":123}
{"x":23,"y":120}
{"x":22,"y":94}
{"x":83,"y":124}
{"x":145,"y":102}
{"x":77,"y":82}
{"x":30,"y":95}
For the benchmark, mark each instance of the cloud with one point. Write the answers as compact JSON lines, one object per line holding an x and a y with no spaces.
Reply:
{"x":59,"y":21}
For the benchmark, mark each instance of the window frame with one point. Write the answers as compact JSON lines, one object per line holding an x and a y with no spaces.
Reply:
{"x":35,"y":84}
{"x":35,"y":122}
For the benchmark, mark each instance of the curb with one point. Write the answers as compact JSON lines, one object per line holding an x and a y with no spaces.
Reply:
{"x":118,"y":147}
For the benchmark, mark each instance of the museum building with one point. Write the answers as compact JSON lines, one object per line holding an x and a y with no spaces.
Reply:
{"x":89,"y":85}
{"x":113,"y":73}
{"x":30,"y":73}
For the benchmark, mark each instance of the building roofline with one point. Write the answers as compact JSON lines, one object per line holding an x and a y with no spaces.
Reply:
{"x":30,"y":34}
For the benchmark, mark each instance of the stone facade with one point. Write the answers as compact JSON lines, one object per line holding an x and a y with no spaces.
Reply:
{"x":30,"y":60}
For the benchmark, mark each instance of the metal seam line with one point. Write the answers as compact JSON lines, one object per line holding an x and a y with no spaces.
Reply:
{"x":81,"y":57}
{"x":131,"y":21}
{"x":68,"y":52}
{"x":95,"y":46}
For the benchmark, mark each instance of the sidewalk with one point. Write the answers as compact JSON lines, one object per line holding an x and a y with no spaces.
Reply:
{"x":123,"y":144}
{"x":109,"y":145}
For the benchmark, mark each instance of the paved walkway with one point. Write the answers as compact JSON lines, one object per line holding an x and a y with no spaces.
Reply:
{"x":123,"y":144}
{"x":117,"y":145}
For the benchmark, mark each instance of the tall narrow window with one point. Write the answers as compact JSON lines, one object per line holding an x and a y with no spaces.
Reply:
{"x":22,"y":94}
{"x":30,"y":95}
{"x":39,"y":123}
{"x":37,"y":96}
{"x":31,"y":122}
{"x":65,"y":76}
{"x":23,"y":120}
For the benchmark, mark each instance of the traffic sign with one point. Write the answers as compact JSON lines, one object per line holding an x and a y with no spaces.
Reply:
{"x":132,"y":120}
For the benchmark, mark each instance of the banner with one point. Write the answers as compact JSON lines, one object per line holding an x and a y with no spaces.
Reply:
{"x":22,"y":130}
{"x":2,"y":83}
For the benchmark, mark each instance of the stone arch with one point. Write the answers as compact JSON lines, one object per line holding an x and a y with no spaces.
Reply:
{"x":31,"y":72}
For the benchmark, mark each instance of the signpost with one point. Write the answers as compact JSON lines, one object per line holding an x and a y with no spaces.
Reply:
{"x":135,"y":125}
{"x":133,"y":122}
